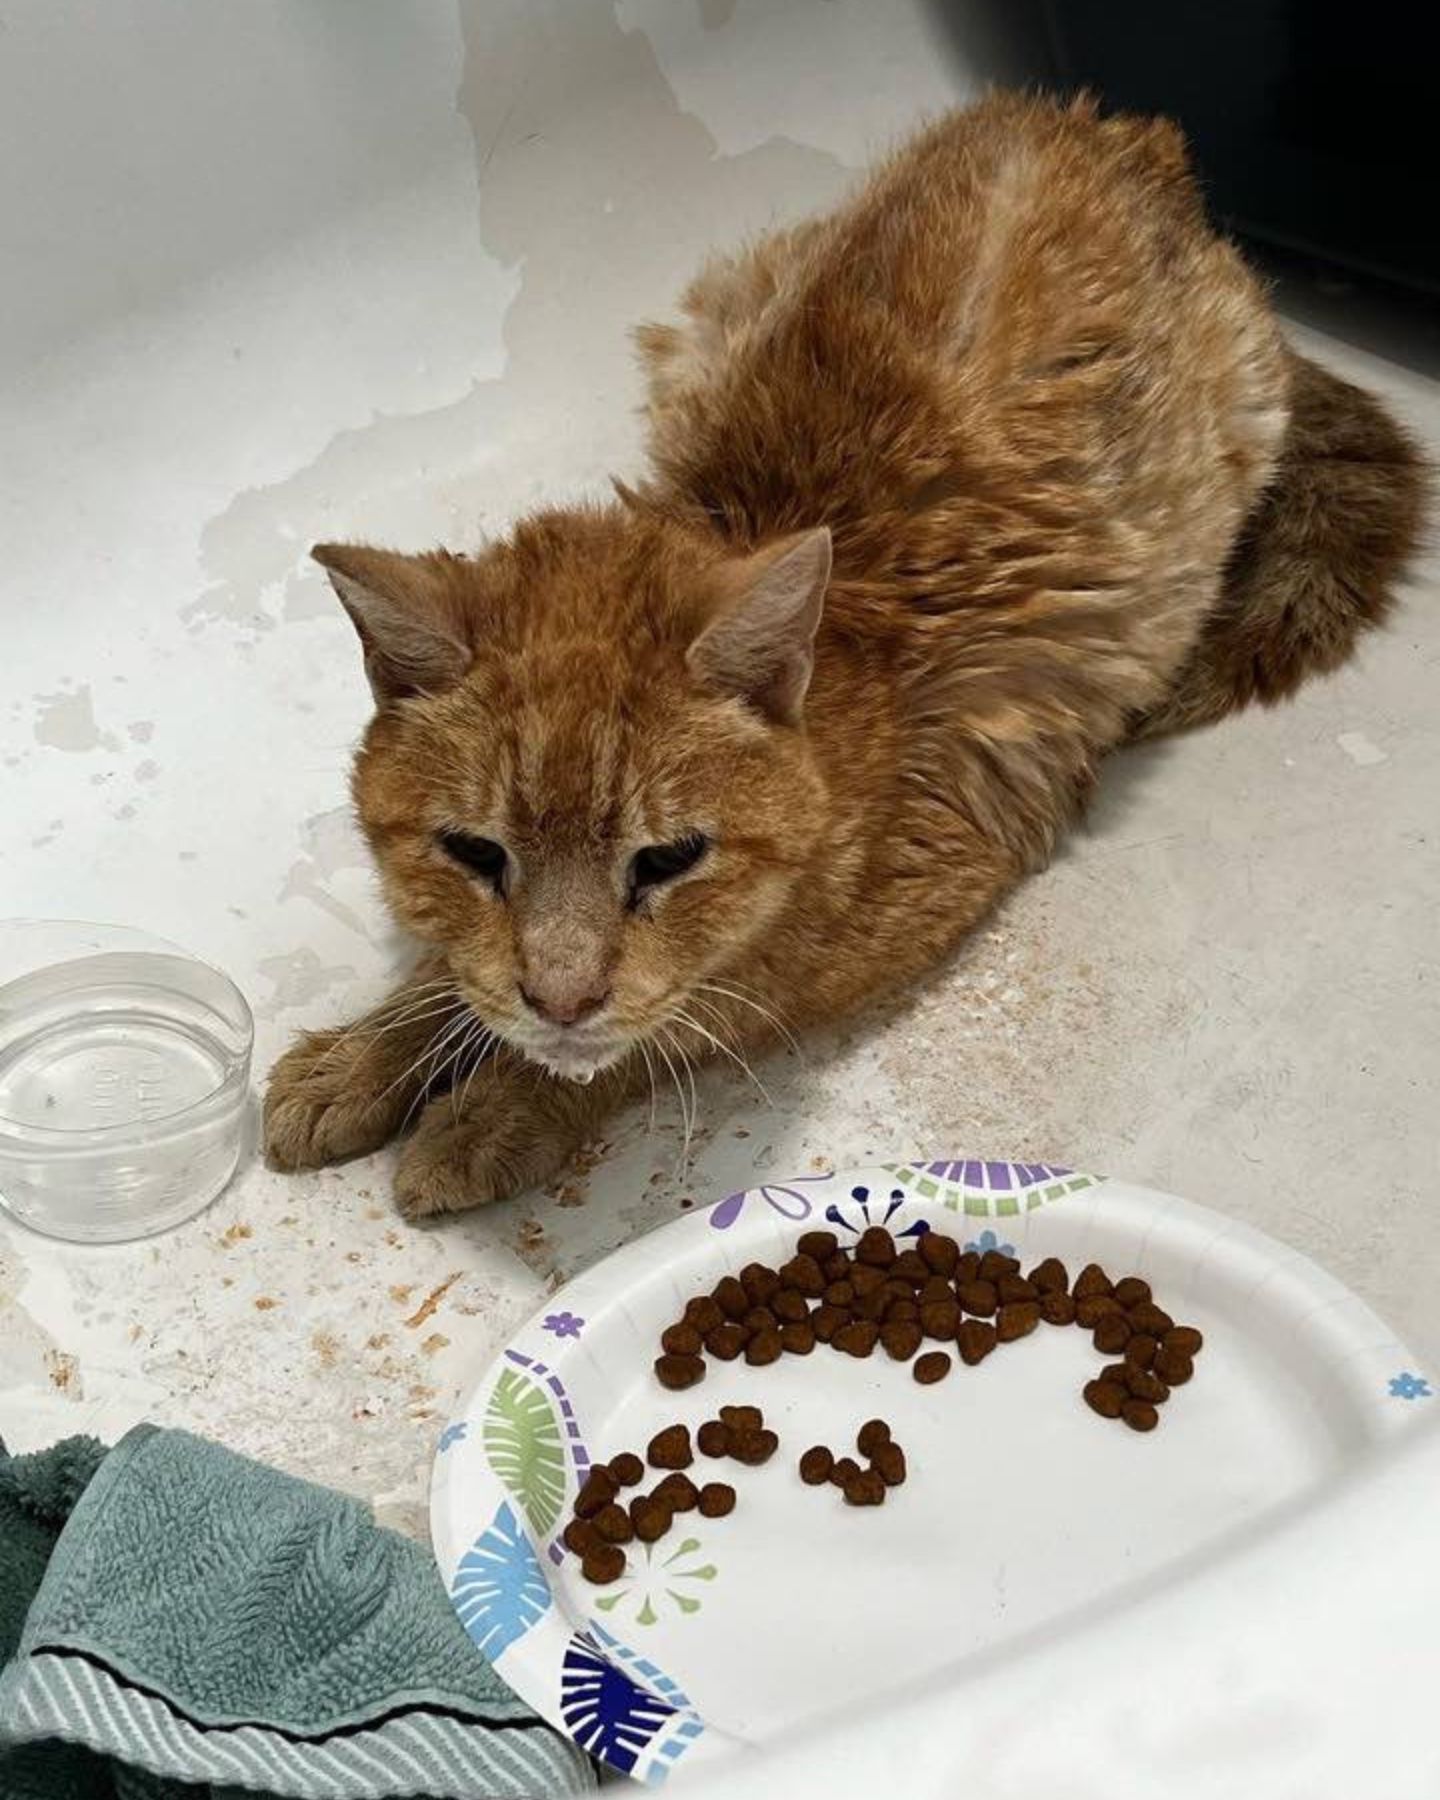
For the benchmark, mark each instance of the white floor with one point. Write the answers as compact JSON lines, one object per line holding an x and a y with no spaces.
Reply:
{"x":294,"y":273}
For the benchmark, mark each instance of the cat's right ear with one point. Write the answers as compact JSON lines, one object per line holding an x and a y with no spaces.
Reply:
{"x":406,"y":609}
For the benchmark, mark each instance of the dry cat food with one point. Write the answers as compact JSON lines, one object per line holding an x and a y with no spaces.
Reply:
{"x":860,"y":1486}
{"x":604,"y":1523}
{"x":908,"y":1302}
{"x":925,"y":1304}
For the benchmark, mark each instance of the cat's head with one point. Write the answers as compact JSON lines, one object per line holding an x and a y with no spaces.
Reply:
{"x":587,"y":779}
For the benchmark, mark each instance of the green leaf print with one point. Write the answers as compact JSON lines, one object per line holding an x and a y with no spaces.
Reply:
{"x":525,"y":1448}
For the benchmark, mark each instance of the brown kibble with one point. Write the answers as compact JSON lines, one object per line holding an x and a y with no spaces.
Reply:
{"x":897,"y":1289}
{"x":1015,"y":1288}
{"x":678,"y":1492}
{"x":789,"y":1307}
{"x":1112,"y":1334}
{"x":843,"y":1469}
{"x":980,"y":1297}
{"x":976,"y":1339}
{"x":753,"y":1447}
{"x":967,"y":1268}
{"x":901,"y":1338}
{"x":613,"y":1524}
{"x":717,"y":1498}
{"x":726,"y":1341}
{"x":1185,"y":1339}
{"x":815,"y":1465}
{"x":1093,"y":1308}
{"x":858,"y":1338}
{"x":1130,"y":1291}
{"x":876,"y":1247}
{"x":889,"y":1462}
{"x":1173,"y":1366}
{"x":1139,"y":1415}
{"x":607,"y":1563}
{"x":1057,"y":1308}
{"x":764,"y":1347}
{"x":1050,"y":1276}
{"x":703,"y":1313}
{"x":933,"y":1366}
{"x":933,"y":1288}
{"x":1140,"y":1349}
{"x":651,"y":1518}
{"x":1017,"y":1320}
{"x":760,"y":1318}
{"x":995,"y":1263}
{"x":1145,"y":1384}
{"x":865,"y":1280}
{"x":679,"y":1371}
{"x":798,"y":1340}
{"x":731,"y":1298}
{"x":826,"y":1320}
{"x":759,"y":1282}
{"x":599,"y":1489}
{"x":713,"y":1437}
{"x":871,"y":1435}
{"x":1151,"y":1318}
{"x":938,"y":1252}
{"x":1092,"y":1282}
{"x":582,"y":1536}
{"x":670,"y":1448}
{"x":873,"y":1306}
{"x":836,"y":1266}
{"x":742,"y":1418}
{"x":866,"y":1487}
{"x":940,"y":1320}
{"x":820,"y":1244}
{"x":899,"y":1310}
{"x":1105,"y":1398}
{"x":803,"y":1274}
{"x":840,"y":1293}
{"x":910,"y":1267}
{"x":626,"y":1469}
{"x":682,"y":1339}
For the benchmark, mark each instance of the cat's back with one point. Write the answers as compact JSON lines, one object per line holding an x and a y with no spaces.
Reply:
{"x":1023,"y":279}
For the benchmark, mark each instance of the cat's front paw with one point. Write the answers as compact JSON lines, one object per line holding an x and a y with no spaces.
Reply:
{"x":456,"y":1161}
{"x":322,"y":1105}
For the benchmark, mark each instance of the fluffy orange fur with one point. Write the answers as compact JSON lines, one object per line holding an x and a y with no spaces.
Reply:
{"x":952,"y":491}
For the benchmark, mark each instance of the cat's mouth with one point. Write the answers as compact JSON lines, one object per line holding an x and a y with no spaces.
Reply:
{"x":575,"y":1053}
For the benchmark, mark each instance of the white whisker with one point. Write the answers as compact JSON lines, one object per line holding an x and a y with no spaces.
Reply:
{"x":745,"y":999}
{"x":725,"y":1050}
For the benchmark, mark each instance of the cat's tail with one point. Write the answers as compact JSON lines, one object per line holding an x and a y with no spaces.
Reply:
{"x":1317,"y":561}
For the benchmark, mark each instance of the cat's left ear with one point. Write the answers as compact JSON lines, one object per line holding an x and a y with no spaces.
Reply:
{"x":761,"y":643}
{"x":409,"y":614}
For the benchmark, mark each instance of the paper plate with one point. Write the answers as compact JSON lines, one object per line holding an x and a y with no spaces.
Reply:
{"x":1022,"y":1510}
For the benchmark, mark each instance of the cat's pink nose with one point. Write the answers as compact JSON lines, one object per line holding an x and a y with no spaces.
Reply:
{"x":563,"y":1002}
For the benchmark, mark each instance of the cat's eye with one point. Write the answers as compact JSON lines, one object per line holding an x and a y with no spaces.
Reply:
{"x":656,"y":864}
{"x":481,"y":856}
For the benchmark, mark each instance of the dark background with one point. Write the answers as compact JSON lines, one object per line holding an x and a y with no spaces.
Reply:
{"x":1315,"y":125}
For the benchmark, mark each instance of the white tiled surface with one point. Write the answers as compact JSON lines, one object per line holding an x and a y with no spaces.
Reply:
{"x":289,"y":273}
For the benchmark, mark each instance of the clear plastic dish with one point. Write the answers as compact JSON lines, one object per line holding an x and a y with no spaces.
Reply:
{"x":124,"y":1077}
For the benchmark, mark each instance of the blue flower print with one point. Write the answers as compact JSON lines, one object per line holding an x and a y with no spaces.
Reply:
{"x":1406,"y":1386}
{"x":987,"y":1240}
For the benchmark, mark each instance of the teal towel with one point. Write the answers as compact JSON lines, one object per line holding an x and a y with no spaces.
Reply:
{"x":209,"y":1621}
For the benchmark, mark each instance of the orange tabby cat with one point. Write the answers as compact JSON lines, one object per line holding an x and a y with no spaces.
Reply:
{"x":953,"y":491}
